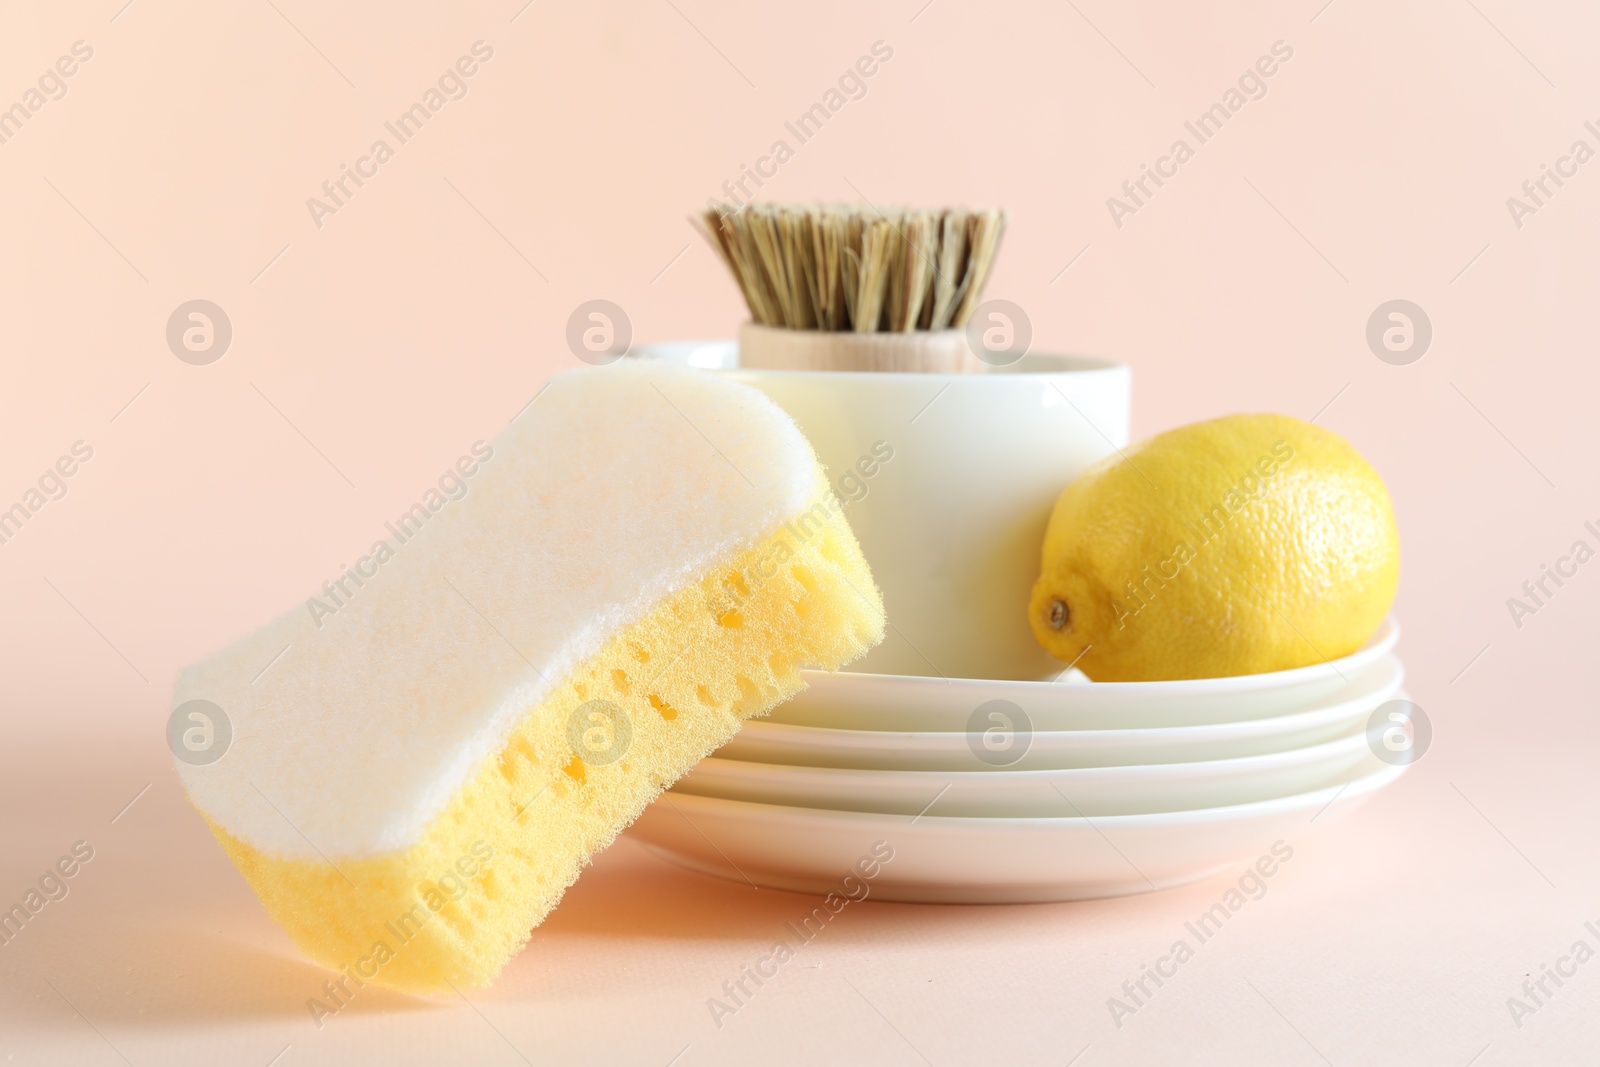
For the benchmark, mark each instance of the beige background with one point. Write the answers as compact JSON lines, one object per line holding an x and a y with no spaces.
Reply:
{"x":369,"y":353}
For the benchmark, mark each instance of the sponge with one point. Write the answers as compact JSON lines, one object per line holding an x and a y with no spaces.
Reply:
{"x":643,"y":559}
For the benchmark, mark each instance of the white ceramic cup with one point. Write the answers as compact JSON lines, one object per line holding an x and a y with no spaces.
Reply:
{"x":948,"y":481}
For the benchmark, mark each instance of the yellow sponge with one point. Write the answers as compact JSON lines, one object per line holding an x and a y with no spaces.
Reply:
{"x":463,"y":900}
{"x":500,"y":839}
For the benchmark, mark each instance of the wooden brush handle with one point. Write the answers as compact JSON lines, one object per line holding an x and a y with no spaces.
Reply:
{"x":917,"y":352}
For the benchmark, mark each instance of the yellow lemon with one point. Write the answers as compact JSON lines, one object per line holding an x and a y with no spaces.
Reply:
{"x":1244,"y":544}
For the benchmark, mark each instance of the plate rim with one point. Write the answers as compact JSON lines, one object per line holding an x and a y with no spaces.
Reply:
{"x":834,"y":736}
{"x":1321,"y":749}
{"x":1356,"y":787}
{"x":1381,"y":643}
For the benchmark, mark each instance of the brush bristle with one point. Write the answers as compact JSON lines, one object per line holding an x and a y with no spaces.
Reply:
{"x":853,"y":267}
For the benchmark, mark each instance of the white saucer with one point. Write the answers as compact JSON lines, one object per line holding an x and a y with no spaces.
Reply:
{"x":851,"y":701}
{"x":1091,"y":791}
{"x":981,"y":861}
{"x":762,"y":741}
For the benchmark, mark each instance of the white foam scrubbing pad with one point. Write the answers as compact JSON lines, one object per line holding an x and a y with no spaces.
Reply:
{"x":647,"y":556}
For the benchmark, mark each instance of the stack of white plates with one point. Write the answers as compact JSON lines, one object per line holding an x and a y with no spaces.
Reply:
{"x":1010,"y":791}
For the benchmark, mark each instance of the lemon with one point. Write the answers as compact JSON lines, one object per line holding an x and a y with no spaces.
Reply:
{"x":1243,"y":544}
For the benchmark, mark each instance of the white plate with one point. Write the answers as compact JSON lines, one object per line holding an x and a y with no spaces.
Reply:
{"x":981,"y":861}
{"x":1091,"y":791}
{"x":997,"y":742}
{"x":851,"y":701}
